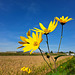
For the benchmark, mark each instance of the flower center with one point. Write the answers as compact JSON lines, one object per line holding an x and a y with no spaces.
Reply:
{"x":35,"y":43}
{"x":62,"y":21}
{"x":46,"y":31}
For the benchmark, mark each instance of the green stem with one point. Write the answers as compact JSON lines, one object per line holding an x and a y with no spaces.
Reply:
{"x":49,"y":52}
{"x":45,"y":60}
{"x":60,"y":39}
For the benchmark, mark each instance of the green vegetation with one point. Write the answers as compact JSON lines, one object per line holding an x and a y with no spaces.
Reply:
{"x":67,"y":68}
{"x":18,"y":54}
{"x":25,"y":54}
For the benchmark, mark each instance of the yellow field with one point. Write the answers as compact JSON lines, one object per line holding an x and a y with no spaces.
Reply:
{"x":11,"y":65}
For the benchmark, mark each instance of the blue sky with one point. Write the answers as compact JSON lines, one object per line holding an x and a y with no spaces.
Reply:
{"x":18,"y":16}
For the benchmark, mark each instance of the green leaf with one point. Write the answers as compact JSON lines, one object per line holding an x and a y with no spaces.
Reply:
{"x":58,"y":57}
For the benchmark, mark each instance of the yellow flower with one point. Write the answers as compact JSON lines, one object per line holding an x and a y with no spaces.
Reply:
{"x":23,"y":39}
{"x":29,"y":71}
{"x":71,"y":57}
{"x":26,"y":69}
{"x":63,"y":20}
{"x":33,"y":42}
{"x":44,"y":30}
{"x":60,"y":66}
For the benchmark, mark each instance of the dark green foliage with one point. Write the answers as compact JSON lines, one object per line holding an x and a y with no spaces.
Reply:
{"x":57,"y":57}
{"x":68,"y":68}
{"x":51,"y":51}
{"x":22,"y":54}
{"x":46,"y":53}
{"x":18,"y":54}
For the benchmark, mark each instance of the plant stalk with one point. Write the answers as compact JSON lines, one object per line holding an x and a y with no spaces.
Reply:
{"x":60,"y":39}
{"x":49,"y":52}
{"x":45,"y":60}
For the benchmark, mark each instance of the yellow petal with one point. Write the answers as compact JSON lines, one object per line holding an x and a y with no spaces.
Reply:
{"x":50,"y":26}
{"x":31,"y":51}
{"x":29,"y":71}
{"x":23,"y":38}
{"x":38,"y":30}
{"x":54,"y":26}
{"x":34,"y":36}
{"x":37,"y":36}
{"x":69,"y":19}
{"x":57,"y":18}
{"x":26,"y":45}
{"x":35,"y":47}
{"x":26,"y":69}
{"x":40,"y":36}
{"x":66,"y":18}
{"x":54,"y":22}
{"x":27,"y":48}
{"x":30,"y":38}
{"x":62,"y":17}
{"x":42,"y":27}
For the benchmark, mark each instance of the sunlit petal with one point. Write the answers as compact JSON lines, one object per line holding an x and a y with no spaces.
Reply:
{"x":31,"y":51}
{"x":69,"y":19}
{"x":34,"y":36}
{"x":66,"y":18}
{"x":63,"y":20}
{"x":62,"y":17}
{"x":23,"y":38}
{"x":37,"y":36}
{"x":42,"y":27}
{"x":50,"y":25}
{"x":27,"y":48}
{"x":57,"y":18}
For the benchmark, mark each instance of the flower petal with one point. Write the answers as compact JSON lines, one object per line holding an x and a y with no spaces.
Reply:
{"x":20,"y":47}
{"x":57,"y":18}
{"x":34,"y":36}
{"x":37,"y":36}
{"x":38,"y":30}
{"x":62,"y":17}
{"x":40,"y":36}
{"x":69,"y":19}
{"x":66,"y":18}
{"x":20,"y":42}
{"x":31,"y":51}
{"x":27,"y":48}
{"x":26,"y":45}
{"x":50,"y":26}
{"x":53,"y":28}
{"x":28,"y":33}
{"x":23,"y":38}
{"x":42,"y":27}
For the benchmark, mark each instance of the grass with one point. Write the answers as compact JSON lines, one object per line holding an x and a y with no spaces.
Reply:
{"x":11,"y":65}
{"x":67,"y":68}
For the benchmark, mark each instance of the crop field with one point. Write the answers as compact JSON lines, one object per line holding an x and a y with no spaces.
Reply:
{"x":11,"y":65}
